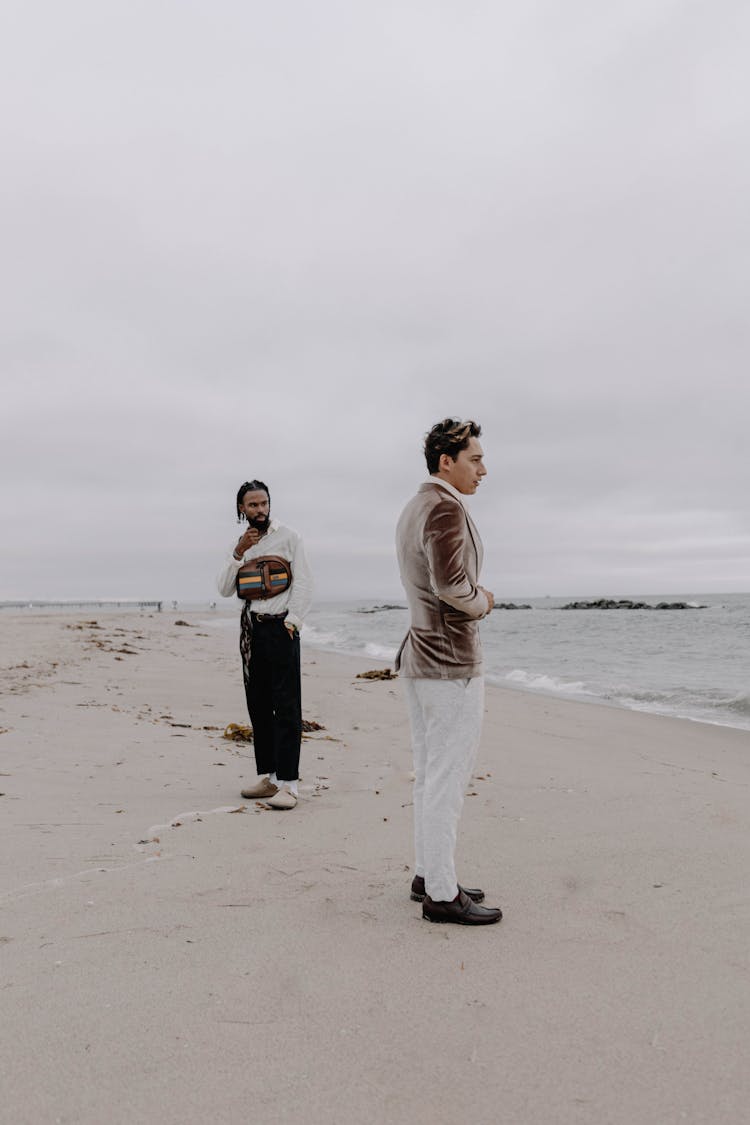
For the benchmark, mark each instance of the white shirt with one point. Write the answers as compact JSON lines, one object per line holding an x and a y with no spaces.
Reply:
{"x":283,"y":541}
{"x":449,"y":488}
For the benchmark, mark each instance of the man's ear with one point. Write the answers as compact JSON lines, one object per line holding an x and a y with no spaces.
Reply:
{"x":445,"y":463}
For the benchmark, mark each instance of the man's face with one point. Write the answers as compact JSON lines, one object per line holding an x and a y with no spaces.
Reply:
{"x":255,"y":507}
{"x":466,"y":472}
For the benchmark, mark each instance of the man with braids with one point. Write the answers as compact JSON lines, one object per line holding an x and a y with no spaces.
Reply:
{"x":269,"y":644}
{"x":440,"y":557}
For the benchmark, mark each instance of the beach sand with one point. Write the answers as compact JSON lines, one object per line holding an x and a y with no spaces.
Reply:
{"x":171,"y":953}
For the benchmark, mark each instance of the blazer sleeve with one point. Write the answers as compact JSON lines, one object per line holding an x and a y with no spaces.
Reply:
{"x":445,"y":541}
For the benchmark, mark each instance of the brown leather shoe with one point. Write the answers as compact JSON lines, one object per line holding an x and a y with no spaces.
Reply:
{"x":418,"y":891}
{"x":461,"y":910}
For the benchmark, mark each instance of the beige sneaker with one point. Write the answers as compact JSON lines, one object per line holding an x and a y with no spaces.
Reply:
{"x":264,"y":787}
{"x":282,"y":800}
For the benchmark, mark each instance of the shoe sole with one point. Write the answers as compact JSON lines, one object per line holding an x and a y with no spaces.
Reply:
{"x":462,"y":921}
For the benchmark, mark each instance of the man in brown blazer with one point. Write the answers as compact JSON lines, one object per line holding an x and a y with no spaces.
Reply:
{"x":440,"y":660}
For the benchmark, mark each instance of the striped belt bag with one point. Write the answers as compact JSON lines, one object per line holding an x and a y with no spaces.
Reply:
{"x":263,"y":578}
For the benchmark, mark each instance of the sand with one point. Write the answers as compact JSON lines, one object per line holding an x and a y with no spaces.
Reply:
{"x":171,"y":953}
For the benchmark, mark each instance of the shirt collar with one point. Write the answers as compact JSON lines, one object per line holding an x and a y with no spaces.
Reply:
{"x":273,"y":525}
{"x":448,"y":488}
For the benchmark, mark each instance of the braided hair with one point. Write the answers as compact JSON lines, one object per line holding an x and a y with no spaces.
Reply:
{"x":250,"y":486}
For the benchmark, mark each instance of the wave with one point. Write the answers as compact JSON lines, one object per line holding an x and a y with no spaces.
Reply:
{"x":320,"y":638}
{"x":738,"y":705}
{"x":380,"y":652}
{"x":345,"y":642}
{"x":540,"y":682}
{"x":724,"y":712}
{"x":679,"y":700}
{"x":634,"y":697}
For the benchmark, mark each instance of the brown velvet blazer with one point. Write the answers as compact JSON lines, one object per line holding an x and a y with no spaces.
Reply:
{"x":440,"y":556}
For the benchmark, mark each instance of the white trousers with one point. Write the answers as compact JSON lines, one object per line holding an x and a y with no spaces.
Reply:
{"x":446,"y":725}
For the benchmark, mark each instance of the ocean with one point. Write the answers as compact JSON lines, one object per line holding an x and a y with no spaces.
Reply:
{"x":687,"y":663}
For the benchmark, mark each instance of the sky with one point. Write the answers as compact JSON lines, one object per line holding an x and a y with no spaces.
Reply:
{"x":281,"y":241}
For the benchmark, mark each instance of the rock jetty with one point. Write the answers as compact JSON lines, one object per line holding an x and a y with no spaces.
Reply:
{"x":625,"y":603}
{"x":379,"y":608}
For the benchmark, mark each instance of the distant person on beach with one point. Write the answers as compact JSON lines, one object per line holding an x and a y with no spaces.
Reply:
{"x":276,"y":582}
{"x":440,"y":660}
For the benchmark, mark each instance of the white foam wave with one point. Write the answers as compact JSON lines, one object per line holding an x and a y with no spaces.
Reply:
{"x":541,"y":682}
{"x":319,"y":637}
{"x":380,"y":652}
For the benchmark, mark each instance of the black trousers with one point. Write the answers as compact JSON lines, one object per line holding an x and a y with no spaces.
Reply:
{"x":274,"y":696}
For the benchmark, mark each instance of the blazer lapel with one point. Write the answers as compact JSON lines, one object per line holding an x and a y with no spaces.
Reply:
{"x":476,"y":542}
{"x":473,"y":533}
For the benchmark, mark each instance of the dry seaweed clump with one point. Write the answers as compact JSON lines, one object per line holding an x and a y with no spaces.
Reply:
{"x":238,"y":732}
{"x":378,"y":674}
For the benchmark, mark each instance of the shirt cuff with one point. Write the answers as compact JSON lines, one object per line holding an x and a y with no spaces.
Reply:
{"x":290,"y":619}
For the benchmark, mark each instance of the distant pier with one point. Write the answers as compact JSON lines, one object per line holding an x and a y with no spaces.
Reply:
{"x":125,"y":603}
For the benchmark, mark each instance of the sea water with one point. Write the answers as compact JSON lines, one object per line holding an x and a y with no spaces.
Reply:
{"x":691,"y":663}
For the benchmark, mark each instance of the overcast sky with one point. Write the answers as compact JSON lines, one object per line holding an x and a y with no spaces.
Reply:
{"x":281,"y":240}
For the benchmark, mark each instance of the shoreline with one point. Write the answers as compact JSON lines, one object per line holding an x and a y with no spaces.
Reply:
{"x":168,"y":948}
{"x":222,"y":616}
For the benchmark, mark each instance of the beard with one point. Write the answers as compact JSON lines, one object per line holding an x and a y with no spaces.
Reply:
{"x":260,"y":523}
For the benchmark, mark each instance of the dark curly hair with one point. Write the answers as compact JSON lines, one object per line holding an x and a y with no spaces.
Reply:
{"x":449,"y":436}
{"x":250,"y":486}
